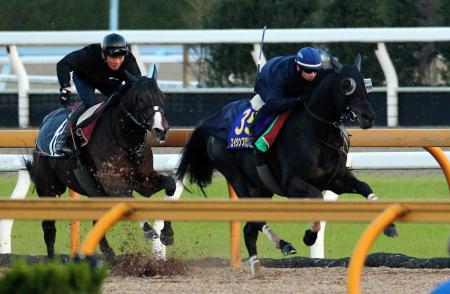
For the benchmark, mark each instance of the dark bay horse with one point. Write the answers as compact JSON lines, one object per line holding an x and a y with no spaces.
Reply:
{"x":118,"y":156}
{"x":308,"y":157}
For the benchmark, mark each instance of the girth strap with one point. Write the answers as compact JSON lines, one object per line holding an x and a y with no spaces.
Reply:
{"x":266,"y":175}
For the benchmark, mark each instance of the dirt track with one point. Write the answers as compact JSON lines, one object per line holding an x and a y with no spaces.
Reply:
{"x":299,"y":280}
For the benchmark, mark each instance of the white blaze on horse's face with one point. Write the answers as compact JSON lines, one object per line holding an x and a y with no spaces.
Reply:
{"x":157,"y":127}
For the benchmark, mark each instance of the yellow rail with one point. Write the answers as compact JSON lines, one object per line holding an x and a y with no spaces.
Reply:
{"x":376,"y":137}
{"x":103,"y":225}
{"x":224,"y":210}
{"x":388,"y":216}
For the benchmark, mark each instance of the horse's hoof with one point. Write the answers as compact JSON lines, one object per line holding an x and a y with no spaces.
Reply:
{"x":150,"y":234}
{"x":309,"y":238}
{"x":167,"y":236}
{"x":255,"y":265}
{"x":110,"y":256}
{"x":288,"y":249}
{"x":391,"y":231}
{"x":170,"y":186}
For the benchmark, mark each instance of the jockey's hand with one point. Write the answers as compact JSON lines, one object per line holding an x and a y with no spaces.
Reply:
{"x":64,"y":96}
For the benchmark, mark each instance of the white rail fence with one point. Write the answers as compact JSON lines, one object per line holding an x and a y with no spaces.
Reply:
{"x":188,"y":38}
{"x":169,"y":163}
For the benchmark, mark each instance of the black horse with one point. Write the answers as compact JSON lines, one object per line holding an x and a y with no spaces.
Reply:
{"x":308,"y":157}
{"x":118,"y":156}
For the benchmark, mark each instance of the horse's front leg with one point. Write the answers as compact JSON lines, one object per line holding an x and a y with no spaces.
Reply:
{"x":153,"y":182}
{"x":348,"y":183}
{"x":298,"y":188}
{"x":150,"y":184}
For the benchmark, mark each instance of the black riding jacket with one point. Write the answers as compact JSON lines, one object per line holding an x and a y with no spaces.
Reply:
{"x":89,"y":65}
{"x":280,"y":84}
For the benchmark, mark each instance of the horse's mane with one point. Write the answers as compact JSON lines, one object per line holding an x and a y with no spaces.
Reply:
{"x":115,"y":97}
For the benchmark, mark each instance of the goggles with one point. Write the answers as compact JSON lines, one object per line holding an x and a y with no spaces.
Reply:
{"x":116,"y":51}
{"x":309,"y":70}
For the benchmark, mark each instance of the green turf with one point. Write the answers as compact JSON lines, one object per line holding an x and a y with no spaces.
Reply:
{"x":211,"y":239}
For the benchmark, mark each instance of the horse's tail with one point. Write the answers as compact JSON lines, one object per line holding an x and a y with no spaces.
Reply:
{"x":29,"y":165}
{"x":195,"y":161}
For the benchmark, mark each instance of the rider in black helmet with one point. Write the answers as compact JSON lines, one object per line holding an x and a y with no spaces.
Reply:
{"x":96,"y":66}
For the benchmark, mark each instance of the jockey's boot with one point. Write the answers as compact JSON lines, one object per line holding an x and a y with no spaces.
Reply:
{"x":67,"y":148}
{"x":252,"y":137}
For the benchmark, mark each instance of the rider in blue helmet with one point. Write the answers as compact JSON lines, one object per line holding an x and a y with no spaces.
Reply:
{"x":283,"y":82}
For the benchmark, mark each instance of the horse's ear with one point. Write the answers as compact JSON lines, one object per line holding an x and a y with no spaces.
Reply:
{"x":337,"y":66}
{"x":154,"y":74}
{"x":358,"y":62}
{"x":130,"y":77}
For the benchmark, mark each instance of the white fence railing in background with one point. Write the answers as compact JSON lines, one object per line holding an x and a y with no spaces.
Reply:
{"x":169,"y":163}
{"x":237,"y":36}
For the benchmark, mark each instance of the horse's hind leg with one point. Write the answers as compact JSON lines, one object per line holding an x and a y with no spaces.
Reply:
{"x":348,"y":183}
{"x":285,"y":247}
{"x":48,"y":226}
{"x":47,"y":185}
{"x":251,"y":230}
{"x":106,"y":249}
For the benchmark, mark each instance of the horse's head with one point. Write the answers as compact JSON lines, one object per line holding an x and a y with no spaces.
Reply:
{"x":145,"y":105}
{"x":351,"y":99}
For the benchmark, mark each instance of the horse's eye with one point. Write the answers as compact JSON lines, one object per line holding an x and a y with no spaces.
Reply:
{"x":348,"y":86}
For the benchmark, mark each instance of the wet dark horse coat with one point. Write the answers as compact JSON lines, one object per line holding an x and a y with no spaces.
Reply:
{"x":308,"y":157}
{"x":118,"y":156}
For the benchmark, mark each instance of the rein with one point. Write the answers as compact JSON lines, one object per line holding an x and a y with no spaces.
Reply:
{"x":343,"y":150}
{"x":336,"y":124}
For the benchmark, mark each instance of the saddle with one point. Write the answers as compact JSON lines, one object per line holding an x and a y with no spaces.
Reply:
{"x":51,"y":134}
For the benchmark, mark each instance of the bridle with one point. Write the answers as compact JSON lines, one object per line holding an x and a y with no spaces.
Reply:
{"x":137,"y":117}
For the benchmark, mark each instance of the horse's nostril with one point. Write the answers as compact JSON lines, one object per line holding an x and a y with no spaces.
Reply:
{"x":158,"y":134}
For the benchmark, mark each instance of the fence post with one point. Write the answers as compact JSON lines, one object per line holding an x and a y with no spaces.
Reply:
{"x":74,"y":229}
{"x":391,"y":83}
{"x":20,"y":192}
{"x":22,"y":84}
{"x":235,"y":244}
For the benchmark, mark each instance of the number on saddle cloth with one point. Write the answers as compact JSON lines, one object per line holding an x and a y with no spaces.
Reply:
{"x":240,"y":132}
{"x":267,"y":130}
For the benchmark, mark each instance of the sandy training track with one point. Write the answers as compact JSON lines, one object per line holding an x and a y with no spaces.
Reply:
{"x":201,"y":279}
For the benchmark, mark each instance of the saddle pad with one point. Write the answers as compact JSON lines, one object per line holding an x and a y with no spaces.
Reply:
{"x":88,"y":121}
{"x":239,"y":134}
{"x":84,"y":119}
{"x":268,"y":137}
{"x":49,"y":138}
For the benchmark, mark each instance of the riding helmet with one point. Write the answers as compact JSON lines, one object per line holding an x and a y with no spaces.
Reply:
{"x":309,"y":58}
{"x":114,"y":45}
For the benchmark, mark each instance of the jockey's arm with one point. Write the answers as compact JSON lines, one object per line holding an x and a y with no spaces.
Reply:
{"x":276,"y":103}
{"x":67,"y":65}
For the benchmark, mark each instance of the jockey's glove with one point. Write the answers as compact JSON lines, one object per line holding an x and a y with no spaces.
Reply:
{"x":64,"y":96}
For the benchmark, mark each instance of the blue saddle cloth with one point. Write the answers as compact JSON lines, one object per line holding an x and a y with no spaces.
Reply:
{"x":232,"y":123}
{"x":49,"y":139}
{"x":221,"y":123}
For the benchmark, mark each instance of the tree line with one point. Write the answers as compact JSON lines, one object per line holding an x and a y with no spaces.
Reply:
{"x":232,"y":65}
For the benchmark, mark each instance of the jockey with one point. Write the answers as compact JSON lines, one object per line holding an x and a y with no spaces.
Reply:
{"x":282,"y":82}
{"x":96,"y":66}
